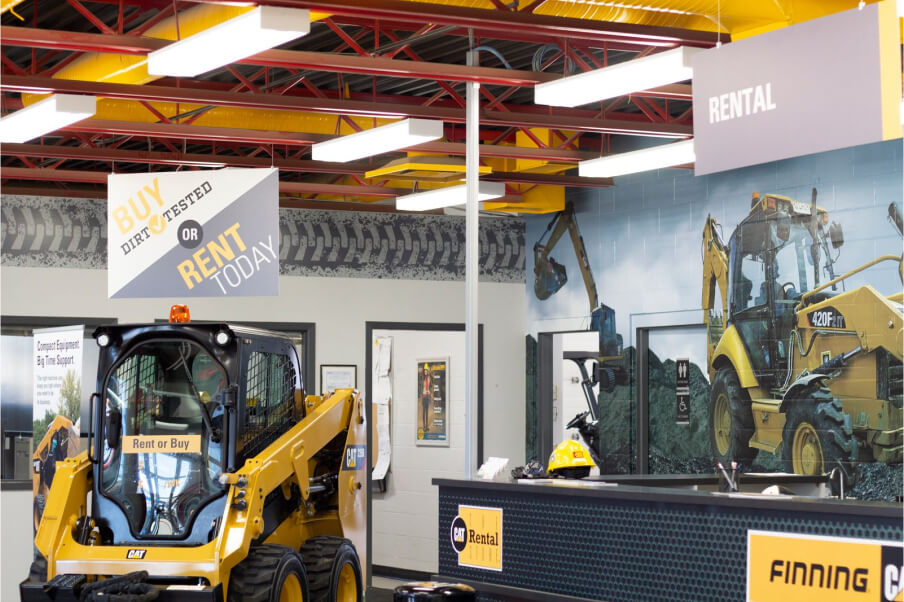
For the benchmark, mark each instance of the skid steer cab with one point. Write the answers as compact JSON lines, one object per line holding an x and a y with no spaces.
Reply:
{"x":208,"y":476}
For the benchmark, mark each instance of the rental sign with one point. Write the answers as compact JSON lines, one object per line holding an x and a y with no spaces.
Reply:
{"x":193,"y":234}
{"x":824,"y":84}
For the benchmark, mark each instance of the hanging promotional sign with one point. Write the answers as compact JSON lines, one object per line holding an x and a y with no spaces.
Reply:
{"x":476,"y":535}
{"x":432,"y":396}
{"x":193,"y":234}
{"x":57,"y":396}
{"x":790,"y":566}
{"x":841,"y":89}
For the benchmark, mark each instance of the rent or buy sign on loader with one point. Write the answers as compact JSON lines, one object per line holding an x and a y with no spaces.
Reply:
{"x":193,"y":234}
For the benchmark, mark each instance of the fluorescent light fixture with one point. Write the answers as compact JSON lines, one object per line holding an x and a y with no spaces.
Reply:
{"x":448,"y":197}
{"x":655,"y":157}
{"x":246,"y":35}
{"x":376,"y":141}
{"x":618,"y":80}
{"x":46,"y":116}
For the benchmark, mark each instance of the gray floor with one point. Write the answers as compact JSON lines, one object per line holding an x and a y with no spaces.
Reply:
{"x":381,"y":589}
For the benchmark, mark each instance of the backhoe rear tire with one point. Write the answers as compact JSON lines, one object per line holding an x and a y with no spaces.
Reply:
{"x":270,"y":573}
{"x":730,"y":420}
{"x":334,"y":571}
{"x":818,"y":435}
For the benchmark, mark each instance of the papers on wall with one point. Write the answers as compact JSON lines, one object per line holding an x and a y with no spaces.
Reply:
{"x":382,"y":396}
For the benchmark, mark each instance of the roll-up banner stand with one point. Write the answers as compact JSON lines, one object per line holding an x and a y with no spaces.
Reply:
{"x":193,"y":234}
{"x":57,"y":394}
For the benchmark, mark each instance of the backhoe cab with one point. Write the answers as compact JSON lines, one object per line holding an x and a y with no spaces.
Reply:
{"x":208,"y":476}
{"x":798,"y":365}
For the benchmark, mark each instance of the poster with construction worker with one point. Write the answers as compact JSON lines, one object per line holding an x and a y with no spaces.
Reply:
{"x":57,"y":395}
{"x":432,"y":396}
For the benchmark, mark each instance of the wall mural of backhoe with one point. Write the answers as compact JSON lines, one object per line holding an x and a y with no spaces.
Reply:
{"x":800,"y":263}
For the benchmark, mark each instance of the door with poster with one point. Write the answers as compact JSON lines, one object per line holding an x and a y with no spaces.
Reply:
{"x":432,"y":397}
{"x":677,"y":397}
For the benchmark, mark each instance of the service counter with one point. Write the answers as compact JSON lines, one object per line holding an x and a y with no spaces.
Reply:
{"x":600,"y":540}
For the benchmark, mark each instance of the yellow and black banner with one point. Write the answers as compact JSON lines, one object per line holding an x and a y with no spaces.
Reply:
{"x":804,"y":568}
{"x":476,"y":535}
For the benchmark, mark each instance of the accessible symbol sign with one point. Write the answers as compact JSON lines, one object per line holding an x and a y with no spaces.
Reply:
{"x":193,"y":234}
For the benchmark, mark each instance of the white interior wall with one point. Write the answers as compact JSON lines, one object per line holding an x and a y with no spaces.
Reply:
{"x":340,"y":307}
{"x":15,"y":538}
{"x":405,"y":519}
{"x":572,"y":393}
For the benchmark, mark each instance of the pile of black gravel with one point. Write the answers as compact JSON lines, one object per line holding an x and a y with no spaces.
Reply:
{"x":879,"y":483}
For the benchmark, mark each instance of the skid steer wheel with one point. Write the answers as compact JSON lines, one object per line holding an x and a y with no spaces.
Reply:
{"x":818,"y":436}
{"x":730,"y":419}
{"x":38,"y":506}
{"x":333,"y":569}
{"x":37,"y":572}
{"x":270,"y":573}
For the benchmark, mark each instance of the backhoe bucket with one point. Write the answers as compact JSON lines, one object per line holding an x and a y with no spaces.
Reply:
{"x":549,"y":277}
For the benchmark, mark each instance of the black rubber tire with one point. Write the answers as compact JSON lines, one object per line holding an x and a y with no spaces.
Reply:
{"x":324,"y":557}
{"x":741,"y":428}
{"x":824,"y":413}
{"x":37,"y":573}
{"x":260,"y":576}
{"x":38,"y":506}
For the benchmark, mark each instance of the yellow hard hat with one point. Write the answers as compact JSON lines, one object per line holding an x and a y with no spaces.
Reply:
{"x":569,"y":455}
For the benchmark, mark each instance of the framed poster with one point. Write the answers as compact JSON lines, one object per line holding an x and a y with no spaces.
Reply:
{"x":432,"y":402}
{"x":338,"y":376}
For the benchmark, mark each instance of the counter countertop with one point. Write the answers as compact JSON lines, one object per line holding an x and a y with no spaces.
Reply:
{"x":599,"y":488}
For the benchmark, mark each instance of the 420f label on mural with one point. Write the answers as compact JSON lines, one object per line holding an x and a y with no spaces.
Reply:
{"x":193,"y":234}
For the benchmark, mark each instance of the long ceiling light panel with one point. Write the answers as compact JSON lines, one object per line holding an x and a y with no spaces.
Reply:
{"x":376,"y":141}
{"x":46,"y":116}
{"x":448,"y":197}
{"x":655,"y":157}
{"x":618,"y":80}
{"x":246,"y":35}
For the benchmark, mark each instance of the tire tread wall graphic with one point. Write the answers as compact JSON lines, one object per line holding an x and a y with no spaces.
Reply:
{"x":72,"y":233}
{"x":385,"y":245}
{"x":39,"y":231}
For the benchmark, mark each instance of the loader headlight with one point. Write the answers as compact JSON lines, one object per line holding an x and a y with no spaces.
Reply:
{"x":222,"y":338}
{"x":103,"y":340}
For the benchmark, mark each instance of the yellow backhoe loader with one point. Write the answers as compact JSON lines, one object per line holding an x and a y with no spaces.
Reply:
{"x":806,"y":370}
{"x":208,"y":476}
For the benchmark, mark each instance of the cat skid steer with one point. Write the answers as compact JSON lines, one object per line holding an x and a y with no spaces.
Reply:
{"x":209,"y":476}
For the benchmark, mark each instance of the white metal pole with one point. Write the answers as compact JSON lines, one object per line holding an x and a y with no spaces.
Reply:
{"x":472,"y":250}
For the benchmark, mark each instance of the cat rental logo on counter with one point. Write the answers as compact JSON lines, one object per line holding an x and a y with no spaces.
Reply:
{"x":476,"y":535}
{"x":804,"y":568}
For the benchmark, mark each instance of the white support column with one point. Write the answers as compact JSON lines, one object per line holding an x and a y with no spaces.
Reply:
{"x":472,"y":256}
